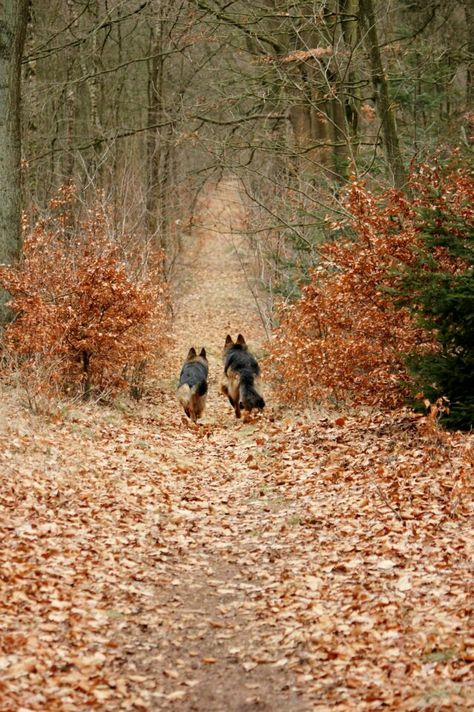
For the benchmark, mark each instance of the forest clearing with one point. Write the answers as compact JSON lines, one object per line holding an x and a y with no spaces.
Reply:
{"x":267,"y":209}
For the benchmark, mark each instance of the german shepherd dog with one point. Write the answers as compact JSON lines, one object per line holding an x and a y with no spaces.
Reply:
{"x":241,"y":381}
{"x":192,"y":389}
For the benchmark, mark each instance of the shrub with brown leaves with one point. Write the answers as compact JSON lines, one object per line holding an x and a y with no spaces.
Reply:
{"x":347,"y":337}
{"x":81,"y":314}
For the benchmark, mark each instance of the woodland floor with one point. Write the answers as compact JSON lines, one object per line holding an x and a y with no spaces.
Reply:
{"x":294,"y":562}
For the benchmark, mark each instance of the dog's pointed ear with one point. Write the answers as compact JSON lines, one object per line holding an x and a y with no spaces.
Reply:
{"x":202,"y":352}
{"x":192,"y":352}
{"x":228,"y":340}
{"x":241,"y":340}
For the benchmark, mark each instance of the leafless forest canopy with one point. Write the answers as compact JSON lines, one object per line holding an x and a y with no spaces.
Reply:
{"x":147,"y":100}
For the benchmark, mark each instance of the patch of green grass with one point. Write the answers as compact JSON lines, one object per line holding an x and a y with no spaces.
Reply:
{"x":278,"y":503}
{"x":440,"y":656}
{"x":437,"y":697}
{"x":68,"y":413}
{"x":114,"y":615}
{"x":83,"y":431}
{"x":122,"y":406}
{"x":143,"y":445}
{"x":248,"y":429}
{"x":262,"y":490}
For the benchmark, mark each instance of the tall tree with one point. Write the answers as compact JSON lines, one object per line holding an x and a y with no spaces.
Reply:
{"x":382,"y":97}
{"x":157,"y":151}
{"x":13,"y":21}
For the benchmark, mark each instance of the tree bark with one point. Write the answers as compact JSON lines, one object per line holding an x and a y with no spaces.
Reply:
{"x":154,"y":136}
{"x":12,"y":38}
{"x":341,"y":150}
{"x":13,"y":21}
{"x":469,"y":14}
{"x":382,"y":98}
{"x":349,"y":11}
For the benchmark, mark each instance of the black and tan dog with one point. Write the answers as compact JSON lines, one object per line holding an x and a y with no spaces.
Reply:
{"x":241,"y":381}
{"x":192,"y":388}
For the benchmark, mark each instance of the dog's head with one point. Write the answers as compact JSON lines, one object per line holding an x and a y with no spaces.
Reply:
{"x":193,"y":356}
{"x":229,"y":342}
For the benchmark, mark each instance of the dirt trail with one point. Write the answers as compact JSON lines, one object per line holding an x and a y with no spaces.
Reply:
{"x":215,"y":655}
{"x":214,"y":286}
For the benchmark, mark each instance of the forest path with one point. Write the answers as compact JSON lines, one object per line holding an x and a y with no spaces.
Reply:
{"x":294,"y":562}
{"x":215,"y":291}
{"x":218,"y":655}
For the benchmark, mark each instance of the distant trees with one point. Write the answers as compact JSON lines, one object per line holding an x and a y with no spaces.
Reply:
{"x":315,"y":93}
{"x":147,"y":99}
{"x":105,"y":90}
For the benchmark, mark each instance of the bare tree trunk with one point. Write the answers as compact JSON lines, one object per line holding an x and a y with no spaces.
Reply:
{"x":340,"y":135}
{"x":94,"y":87}
{"x":469,"y":14}
{"x":349,"y":11}
{"x":154,"y":139}
{"x":336,"y":115}
{"x":382,"y":98}
{"x":12,"y":39}
{"x":70,"y":107}
{"x":309,"y":119}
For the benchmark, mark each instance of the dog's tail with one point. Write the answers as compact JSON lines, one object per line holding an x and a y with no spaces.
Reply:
{"x":249,"y":395}
{"x":200,"y":389}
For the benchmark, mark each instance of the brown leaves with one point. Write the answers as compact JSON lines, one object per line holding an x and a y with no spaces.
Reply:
{"x":82,"y":317}
{"x":146,"y":566}
{"x":347,"y":338}
{"x":305,"y":55}
{"x":299,"y":56}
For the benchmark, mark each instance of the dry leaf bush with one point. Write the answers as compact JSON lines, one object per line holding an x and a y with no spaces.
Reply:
{"x":85,"y":321}
{"x":348,"y":335}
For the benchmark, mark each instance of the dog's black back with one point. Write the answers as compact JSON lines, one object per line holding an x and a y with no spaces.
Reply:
{"x":194,"y":373}
{"x":240,"y":360}
{"x":192,"y":388}
{"x":241,"y":376}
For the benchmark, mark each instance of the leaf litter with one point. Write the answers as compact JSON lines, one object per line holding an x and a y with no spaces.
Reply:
{"x":303,"y":561}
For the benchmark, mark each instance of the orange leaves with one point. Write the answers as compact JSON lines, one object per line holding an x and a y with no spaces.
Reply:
{"x":346,"y":337}
{"x":78,"y":305}
{"x":341,"y":567}
{"x":305,"y":55}
{"x":300,"y":56}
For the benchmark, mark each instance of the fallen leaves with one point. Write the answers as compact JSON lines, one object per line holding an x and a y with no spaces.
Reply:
{"x":145,"y":566}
